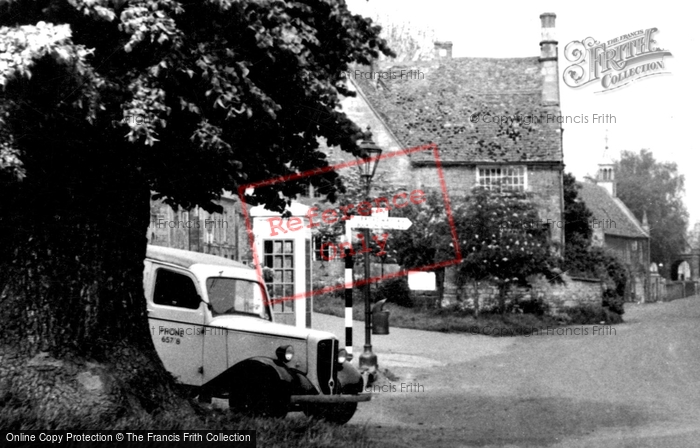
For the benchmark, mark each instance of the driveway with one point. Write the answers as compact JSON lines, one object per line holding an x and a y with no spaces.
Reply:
{"x":635,"y":384}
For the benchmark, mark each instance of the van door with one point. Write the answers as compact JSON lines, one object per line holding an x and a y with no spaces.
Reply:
{"x":176,"y":318}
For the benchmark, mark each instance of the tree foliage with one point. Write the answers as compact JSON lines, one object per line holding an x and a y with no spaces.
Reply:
{"x":406,"y":41}
{"x":503,"y":240}
{"x":647,"y":185}
{"x":240,"y":90}
{"x":577,"y":216}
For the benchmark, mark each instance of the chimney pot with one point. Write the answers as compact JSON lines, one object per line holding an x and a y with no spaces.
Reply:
{"x":548,"y":19}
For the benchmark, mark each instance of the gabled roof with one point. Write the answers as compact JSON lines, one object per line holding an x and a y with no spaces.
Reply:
{"x":604,"y":206}
{"x":433,"y":102}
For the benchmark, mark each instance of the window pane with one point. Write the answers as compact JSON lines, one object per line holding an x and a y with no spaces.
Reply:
{"x":288,"y":247}
{"x":175,"y":289}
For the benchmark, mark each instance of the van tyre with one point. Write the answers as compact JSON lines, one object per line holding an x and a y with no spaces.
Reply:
{"x":333,"y":413}
{"x":259,"y":393}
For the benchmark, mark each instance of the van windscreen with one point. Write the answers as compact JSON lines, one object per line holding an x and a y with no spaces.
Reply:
{"x":236,"y":296}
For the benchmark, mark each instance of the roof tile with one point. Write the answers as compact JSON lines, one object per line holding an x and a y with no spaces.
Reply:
{"x":604,"y":206}
{"x":438,"y":108}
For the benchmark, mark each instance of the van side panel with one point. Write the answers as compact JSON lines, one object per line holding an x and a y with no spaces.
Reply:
{"x":176,"y":322}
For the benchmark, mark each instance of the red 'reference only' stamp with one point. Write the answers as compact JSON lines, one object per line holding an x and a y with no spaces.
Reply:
{"x":276,"y":228}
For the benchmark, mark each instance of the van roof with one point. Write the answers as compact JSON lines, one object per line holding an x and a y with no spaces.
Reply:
{"x":186,"y":258}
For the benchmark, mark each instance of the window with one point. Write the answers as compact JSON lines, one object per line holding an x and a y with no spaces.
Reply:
{"x":173,"y":289}
{"x":306,"y":190}
{"x":502,"y":178}
{"x":235,"y":296}
{"x":634,"y":245}
{"x":279,"y":255}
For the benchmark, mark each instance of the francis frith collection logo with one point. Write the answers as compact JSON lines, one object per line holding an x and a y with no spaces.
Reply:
{"x":616,"y":62}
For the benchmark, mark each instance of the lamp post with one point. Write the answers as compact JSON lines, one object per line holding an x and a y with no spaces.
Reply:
{"x":369,"y":159}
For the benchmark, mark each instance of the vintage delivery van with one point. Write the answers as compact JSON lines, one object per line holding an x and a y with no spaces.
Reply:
{"x":215,"y":332}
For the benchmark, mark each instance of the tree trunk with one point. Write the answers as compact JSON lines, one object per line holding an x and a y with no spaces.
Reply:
{"x":75,"y":348}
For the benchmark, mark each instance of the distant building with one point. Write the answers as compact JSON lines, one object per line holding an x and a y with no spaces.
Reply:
{"x":617,"y":229}
{"x":687,"y":267}
{"x":221,"y":234}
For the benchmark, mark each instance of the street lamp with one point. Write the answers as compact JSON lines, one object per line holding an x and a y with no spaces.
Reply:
{"x":369,"y":159}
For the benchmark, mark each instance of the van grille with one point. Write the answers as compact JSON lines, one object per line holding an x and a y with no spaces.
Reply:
{"x":327,"y":354}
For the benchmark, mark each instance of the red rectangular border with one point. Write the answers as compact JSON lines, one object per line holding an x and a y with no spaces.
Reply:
{"x":405,"y":152}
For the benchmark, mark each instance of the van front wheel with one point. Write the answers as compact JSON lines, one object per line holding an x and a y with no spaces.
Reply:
{"x":265,"y":396}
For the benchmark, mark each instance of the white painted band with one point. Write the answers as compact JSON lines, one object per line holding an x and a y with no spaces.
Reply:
{"x":348,"y":317}
{"x":348,"y":278}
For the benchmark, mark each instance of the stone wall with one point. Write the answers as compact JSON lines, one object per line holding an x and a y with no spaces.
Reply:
{"x":331,"y":273}
{"x":573,"y":292}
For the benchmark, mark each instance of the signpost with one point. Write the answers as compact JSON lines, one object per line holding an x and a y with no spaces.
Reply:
{"x":380,"y":220}
{"x":376,"y":222}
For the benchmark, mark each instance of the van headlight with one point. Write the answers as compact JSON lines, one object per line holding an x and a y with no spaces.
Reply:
{"x":285,"y":353}
{"x":342,"y":356}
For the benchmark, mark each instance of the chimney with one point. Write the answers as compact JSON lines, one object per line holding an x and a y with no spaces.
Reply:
{"x":548,"y":60}
{"x":443,"y":50}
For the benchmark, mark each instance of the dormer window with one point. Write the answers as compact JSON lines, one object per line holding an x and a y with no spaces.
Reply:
{"x":502,"y":178}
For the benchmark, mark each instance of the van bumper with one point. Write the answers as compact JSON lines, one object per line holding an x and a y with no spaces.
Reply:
{"x":294,"y":399}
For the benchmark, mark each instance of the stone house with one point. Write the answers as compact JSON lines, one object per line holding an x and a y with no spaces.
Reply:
{"x":617,"y":229}
{"x":495,"y":121}
{"x":221,"y":234}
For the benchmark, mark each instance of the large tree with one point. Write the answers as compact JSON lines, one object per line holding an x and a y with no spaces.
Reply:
{"x":647,"y":185}
{"x":103,"y":102}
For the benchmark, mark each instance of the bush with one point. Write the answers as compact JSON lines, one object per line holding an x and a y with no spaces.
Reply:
{"x":595,"y":262}
{"x":613,"y":301}
{"x":536,"y":306}
{"x":592,"y":315}
{"x":395,"y":290}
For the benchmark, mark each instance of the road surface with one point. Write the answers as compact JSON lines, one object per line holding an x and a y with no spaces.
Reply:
{"x":635,"y":384}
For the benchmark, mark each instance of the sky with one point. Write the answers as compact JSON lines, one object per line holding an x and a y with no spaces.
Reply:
{"x":656,"y":113}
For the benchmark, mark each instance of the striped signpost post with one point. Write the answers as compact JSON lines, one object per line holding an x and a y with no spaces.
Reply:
{"x":348,"y":301}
